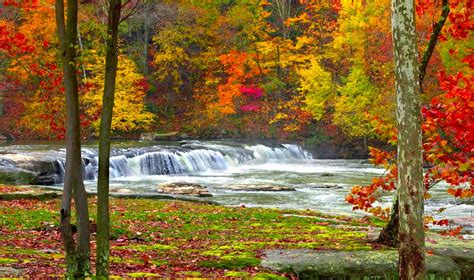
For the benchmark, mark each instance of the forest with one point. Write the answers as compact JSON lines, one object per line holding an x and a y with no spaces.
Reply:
{"x":237,"y":139}
{"x":257,"y":69}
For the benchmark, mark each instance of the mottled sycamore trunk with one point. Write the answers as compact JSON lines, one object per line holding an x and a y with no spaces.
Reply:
{"x":389,"y":234}
{"x":410,"y":165}
{"x":111,"y":62}
{"x":77,"y":259}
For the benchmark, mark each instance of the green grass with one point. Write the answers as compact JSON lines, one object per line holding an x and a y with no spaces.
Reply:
{"x":179,"y":238}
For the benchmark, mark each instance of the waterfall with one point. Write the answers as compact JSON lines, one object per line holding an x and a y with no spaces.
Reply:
{"x":160,"y":163}
{"x":119,"y":166}
{"x":189,"y":158}
{"x":284,"y":152}
{"x":202,"y":160}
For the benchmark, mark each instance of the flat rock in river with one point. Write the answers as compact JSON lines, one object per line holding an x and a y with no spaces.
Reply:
{"x":260,"y":187}
{"x":182,"y":188}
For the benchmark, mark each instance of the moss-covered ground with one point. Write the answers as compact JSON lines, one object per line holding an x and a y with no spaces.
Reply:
{"x":173,"y":239}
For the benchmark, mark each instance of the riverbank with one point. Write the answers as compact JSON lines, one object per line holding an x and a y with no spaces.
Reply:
{"x":178,"y":239}
{"x":174,"y":238}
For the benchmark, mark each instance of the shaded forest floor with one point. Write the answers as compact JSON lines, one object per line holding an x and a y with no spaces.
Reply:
{"x":158,"y":238}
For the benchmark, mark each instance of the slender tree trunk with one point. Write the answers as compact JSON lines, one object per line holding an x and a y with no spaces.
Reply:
{"x":77,"y":260}
{"x":81,"y":46}
{"x":1,"y":104}
{"x":410,"y":164}
{"x":111,"y":62}
{"x":433,"y":40}
{"x":146,"y":27}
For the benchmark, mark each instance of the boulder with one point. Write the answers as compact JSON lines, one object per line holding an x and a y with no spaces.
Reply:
{"x":41,"y":165}
{"x":46,"y":169}
{"x":260,"y":187}
{"x":16,"y":176}
{"x":181,"y":188}
{"x":311,"y":264}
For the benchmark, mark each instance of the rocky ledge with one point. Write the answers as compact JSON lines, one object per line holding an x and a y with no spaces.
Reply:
{"x":181,"y":188}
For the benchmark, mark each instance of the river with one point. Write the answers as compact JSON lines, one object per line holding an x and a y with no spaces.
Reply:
{"x":320,"y":184}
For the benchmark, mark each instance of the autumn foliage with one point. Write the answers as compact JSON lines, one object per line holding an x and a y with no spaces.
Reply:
{"x":306,"y":69}
{"x":448,"y":139}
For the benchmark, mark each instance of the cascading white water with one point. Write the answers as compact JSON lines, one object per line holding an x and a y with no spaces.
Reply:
{"x":188,"y":160}
{"x":285,"y":152}
{"x":119,"y":166}
{"x":157,"y":163}
{"x":202,"y":160}
{"x":62,"y":167}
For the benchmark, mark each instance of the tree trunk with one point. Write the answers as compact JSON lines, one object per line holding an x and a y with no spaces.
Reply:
{"x":81,"y":47}
{"x":1,"y":104}
{"x":389,"y":234}
{"x":391,"y":230}
{"x":146,"y":27}
{"x":410,"y":165}
{"x":77,"y":260}
{"x":111,"y":62}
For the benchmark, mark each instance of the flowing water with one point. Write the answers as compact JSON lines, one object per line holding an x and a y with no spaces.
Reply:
{"x":320,"y":184}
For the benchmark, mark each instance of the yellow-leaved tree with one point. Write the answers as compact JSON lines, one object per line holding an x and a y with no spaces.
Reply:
{"x":356,"y":97}
{"x":130,"y":114}
{"x":317,"y":87}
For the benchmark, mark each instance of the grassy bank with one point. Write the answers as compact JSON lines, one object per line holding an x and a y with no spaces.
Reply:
{"x":175,"y":239}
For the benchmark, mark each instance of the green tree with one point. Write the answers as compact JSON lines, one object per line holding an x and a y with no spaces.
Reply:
{"x":356,"y":97}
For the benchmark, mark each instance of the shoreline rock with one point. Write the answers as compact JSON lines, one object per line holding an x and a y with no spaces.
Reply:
{"x":183,"y":188}
{"x":46,"y":170}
